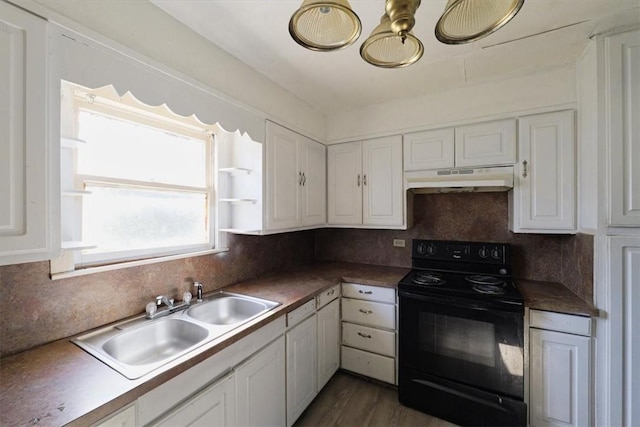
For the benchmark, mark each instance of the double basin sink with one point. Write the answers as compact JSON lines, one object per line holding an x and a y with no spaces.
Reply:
{"x":139,"y":346}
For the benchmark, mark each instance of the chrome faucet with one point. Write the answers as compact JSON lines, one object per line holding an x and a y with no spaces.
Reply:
{"x":153,"y":310}
{"x":162,"y":299}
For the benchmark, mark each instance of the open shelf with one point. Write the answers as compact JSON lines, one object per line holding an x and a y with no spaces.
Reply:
{"x":235,"y":170}
{"x":76,"y":245}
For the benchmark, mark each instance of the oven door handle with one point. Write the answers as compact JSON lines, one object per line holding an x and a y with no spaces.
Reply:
{"x":459,"y":302}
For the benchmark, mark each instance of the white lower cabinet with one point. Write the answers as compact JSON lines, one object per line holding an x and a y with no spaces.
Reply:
{"x":212,"y":407}
{"x":328,"y":318}
{"x":260,"y":388}
{"x":369,"y":331}
{"x":560,"y":370}
{"x":301,"y":367}
{"x":125,"y":417}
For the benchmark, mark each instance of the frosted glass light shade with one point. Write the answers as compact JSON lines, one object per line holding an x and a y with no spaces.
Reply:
{"x":325,"y":25}
{"x":384,"y":48}
{"x":465,"y":21}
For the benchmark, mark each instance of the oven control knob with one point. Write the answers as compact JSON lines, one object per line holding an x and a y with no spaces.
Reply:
{"x":421,"y":248}
{"x":431,"y":249}
{"x":483,"y":252}
{"x":496,"y":253}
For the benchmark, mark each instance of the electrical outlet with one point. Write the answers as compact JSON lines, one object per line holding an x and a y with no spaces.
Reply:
{"x":398,"y":243}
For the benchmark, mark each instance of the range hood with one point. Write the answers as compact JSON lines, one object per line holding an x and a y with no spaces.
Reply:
{"x":460,"y":180}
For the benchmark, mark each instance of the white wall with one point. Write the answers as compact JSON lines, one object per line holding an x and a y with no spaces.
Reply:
{"x":141,"y":26}
{"x":556,"y":88}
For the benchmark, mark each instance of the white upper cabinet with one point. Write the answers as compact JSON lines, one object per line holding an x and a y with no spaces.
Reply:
{"x":622,"y":92}
{"x":295,"y":180}
{"x":543,"y":198}
{"x":479,"y":144}
{"x":365,"y":183}
{"x":432,"y":149}
{"x":314,"y":183}
{"x":485,"y":144}
{"x":382,"y":181}
{"x":344,"y":178}
{"x":28,"y":207}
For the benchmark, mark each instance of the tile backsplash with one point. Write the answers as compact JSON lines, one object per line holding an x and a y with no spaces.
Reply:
{"x":37,"y":310}
{"x":472,"y":217}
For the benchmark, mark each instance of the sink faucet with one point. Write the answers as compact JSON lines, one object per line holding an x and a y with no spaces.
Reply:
{"x":162,"y":299}
{"x":153,"y":310}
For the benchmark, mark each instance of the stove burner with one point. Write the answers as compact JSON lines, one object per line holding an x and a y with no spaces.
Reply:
{"x":429,"y":279}
{"x":489,"y":289}
{"x":485,"y":280}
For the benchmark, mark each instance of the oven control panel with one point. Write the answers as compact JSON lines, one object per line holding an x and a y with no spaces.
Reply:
{"x":446,"y":250}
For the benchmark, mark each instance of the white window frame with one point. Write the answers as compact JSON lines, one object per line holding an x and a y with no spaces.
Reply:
{"x":76,"y":262}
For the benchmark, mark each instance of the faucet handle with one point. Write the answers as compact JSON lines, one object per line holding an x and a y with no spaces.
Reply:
{"x":198,"y":286}
{"x":159,"y":299}
{"x":151,"y":309}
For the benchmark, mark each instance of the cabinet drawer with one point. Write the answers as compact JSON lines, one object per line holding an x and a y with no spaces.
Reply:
{"x":370,"y":339}
{"x":580,"y":325}
{"x":301,"y":313}
{"x":327,"y":296}
{"x":369,"y":313}
{"x":371,"y":293}
{"x":371,"y":365}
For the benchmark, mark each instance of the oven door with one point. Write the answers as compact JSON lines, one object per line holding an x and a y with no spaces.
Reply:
{"x":473,"y":342}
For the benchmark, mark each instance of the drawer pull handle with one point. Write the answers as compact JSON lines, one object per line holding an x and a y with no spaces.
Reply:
{"x":365,"y":292}
{"x":332,"y":292}
{"x":364,"y":335}
{"x":361,"y":310}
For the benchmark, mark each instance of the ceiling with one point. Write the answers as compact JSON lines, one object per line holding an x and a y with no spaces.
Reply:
{"x":546,"y":34}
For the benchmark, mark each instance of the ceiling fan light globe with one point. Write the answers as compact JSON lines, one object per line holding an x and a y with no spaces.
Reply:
{"x":386,"y":49}
{"x":465,"y":21}
{"x":325,"y":25}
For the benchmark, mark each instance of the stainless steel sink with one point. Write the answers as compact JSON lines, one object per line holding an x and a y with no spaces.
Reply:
{"x":229,"y":309}
{"x":154,"y":342}
{"x":139,"y":346}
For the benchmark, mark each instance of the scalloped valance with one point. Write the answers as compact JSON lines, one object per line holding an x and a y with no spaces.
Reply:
{"x":94,"y":65}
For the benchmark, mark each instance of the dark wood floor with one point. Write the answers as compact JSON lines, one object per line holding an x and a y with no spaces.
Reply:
{"x":350,"y":401}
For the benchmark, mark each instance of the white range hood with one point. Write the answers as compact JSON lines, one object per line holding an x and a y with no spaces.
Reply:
{"x":460,"y":180}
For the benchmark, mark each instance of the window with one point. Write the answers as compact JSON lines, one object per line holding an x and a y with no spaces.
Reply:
{"x":138,"y":180}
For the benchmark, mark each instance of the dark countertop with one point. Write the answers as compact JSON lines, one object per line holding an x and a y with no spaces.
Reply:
{"x":58,"y":383}
{"x":550,"y":296}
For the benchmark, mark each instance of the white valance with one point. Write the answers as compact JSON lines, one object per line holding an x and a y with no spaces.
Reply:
{"x":94,"y":65}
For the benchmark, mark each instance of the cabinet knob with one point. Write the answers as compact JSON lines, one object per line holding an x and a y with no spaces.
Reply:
{"x":299,"y":177}
{"x":361,"y":310}
{"x":365,"y":292}
{"x":304,"y":179}
{"x":524,"y":168}
{"x":364,"y":335}
{"x":358,"y":180}
{"x":364,"y":179}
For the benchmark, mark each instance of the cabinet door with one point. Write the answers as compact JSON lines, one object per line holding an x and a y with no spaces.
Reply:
{"x":314,"y":183}
{"x":559,"y":379}
{"x":123,"y":418}
{"x":328,"y":342}
{"x":432,"y":149}
{"x":544,"y":189}
{"x":260,"y":388}
{"x":214,"y":406}
{"x":344,"y":179}
{"x":28,"y":230}
{"x":486,"y":144}
{"x":284,"y":178}
{"x":382,"y":181}
{"x":301,"y":368}
{"x":622,"y":91}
